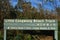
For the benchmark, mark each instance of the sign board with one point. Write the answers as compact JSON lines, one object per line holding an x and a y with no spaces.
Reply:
{"x":31,"y":24}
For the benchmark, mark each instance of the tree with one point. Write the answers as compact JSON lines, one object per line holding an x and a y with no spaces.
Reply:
{"x":58,"y":13}
{"x":58,"y":10}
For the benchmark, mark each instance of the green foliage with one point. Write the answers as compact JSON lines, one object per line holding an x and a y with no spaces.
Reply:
{"x":1,"y":36}
{"x":58,"y":30}
{"x":19,"y":37}
{"x":59,"y":25}
{"x":27,"y":37}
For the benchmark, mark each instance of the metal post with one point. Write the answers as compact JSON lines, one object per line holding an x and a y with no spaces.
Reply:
{"x":56,"y":35}
{"x":5,"y":34}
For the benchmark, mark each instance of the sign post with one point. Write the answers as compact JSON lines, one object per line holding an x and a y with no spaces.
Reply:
{"x":31,"y":24}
